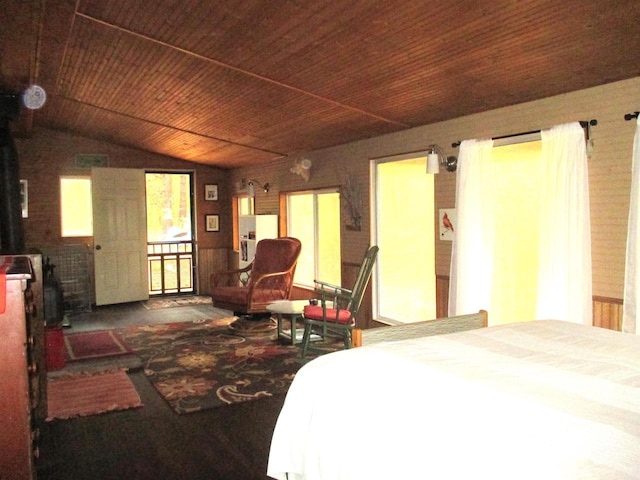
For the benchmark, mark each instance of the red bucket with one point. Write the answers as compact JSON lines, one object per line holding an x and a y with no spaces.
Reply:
{"x":54,"y":338}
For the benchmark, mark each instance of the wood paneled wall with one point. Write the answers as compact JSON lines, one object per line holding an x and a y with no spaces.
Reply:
{"x":49,"y":154}
{"x":607,"y":313}
{"x":209,"y":261}
{"x":609,"y":170}
{"x":442,"y":296}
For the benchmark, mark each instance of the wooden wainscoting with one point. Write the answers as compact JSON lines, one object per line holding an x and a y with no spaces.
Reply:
{"x":607,"y":312}
{"x":209,"y":261}
{"x":442,"y":296}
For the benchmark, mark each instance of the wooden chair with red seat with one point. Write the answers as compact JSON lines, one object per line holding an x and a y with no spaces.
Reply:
{"x":268,"y":278}
{"x":335,"y":314}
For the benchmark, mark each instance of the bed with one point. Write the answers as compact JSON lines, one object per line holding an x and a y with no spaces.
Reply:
{"x":536,"y":400}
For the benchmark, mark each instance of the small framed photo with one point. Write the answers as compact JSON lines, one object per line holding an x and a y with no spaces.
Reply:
{"x":212,"y":223}
{"x":211,"y":192}
{"x":447,"y":223}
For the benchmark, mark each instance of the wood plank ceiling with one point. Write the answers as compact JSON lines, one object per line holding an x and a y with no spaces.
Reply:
{"x":238,"y":82}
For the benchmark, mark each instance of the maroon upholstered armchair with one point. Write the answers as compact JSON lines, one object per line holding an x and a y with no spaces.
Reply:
{"x":268,"y":278}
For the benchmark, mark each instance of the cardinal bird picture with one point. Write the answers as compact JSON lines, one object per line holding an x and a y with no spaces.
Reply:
{"x":447,"y":220}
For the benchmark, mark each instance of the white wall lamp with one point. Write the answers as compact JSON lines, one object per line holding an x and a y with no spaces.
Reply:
{"x":302,"y":167}
{"x":250,"y":186}
{"x":436,"y":156}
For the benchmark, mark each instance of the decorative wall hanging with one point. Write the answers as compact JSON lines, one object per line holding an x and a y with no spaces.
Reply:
{"x":90,"y":160}
{"x":302,"y":167}
{"x":350,"y":191}
{"x":447,"y":222}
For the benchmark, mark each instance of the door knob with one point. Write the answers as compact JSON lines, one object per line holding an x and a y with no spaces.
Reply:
{"x":98,"y":247}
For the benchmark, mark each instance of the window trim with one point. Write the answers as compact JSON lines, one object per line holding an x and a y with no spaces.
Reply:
{"x":284,"y":218}
{"x":61,"y":178}
{"x":235,"y":221}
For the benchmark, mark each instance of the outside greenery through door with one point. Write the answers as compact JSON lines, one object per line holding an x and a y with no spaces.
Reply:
{"x":170,"y":243}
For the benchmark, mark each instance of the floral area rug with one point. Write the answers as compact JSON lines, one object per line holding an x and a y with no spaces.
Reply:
{"x":207,"y":364}
{"x":169,"y":302}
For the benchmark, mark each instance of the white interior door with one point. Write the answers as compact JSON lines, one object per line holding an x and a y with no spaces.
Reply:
{"x":120,"y":235}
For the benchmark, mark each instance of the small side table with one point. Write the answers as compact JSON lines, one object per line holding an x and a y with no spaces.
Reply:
{"x":288,"y":310}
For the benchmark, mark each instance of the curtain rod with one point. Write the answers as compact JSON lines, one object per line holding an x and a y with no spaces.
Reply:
{"x":631,"y":116}
{"x":583,"y":123}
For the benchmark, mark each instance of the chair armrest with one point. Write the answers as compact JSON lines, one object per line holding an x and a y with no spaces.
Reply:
{"x":336,"y":301}
{"x":324,"y":288}
{"x":274,"y":283}
{"x":333,"y":293}
{"x":261,"y":281}
{"x":269,"y":287}
{"x":322,"y":285}
{"x":229,"y":277}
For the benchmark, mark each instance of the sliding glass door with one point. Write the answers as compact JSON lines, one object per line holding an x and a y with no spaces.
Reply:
{"x":404,"y":229}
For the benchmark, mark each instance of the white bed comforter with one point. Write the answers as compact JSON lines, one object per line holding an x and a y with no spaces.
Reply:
{"x":538,"y":400}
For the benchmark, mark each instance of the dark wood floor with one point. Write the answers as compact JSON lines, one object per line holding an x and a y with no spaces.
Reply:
{"x":153,"y":442}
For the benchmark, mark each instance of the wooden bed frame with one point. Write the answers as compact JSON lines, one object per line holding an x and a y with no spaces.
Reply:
{"x":439,"y":326}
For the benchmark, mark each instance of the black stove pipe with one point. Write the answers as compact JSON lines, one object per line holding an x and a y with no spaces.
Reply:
{"x":11,"y":232}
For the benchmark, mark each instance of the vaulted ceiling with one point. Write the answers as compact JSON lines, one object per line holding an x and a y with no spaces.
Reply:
{"x":237,"y":82}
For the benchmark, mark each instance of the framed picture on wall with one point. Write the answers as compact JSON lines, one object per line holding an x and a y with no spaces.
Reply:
{"x":211,"y":192}
{"x":212,"y":223}
{"x":447,"y":222}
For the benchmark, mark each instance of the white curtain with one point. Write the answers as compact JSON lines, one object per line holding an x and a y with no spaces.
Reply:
{"x":630,"y":322}
{"x":472,"y":254}
{"x":564,"y":278}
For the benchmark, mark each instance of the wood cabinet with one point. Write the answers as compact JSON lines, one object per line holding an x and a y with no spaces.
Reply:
{"x":252,"y":229}
{"x":21,"y":371}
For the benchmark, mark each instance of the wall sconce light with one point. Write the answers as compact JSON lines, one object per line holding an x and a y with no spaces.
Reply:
{"x":436,"y":156}
{"x":302,"y":167}
{"x":250,"y":186}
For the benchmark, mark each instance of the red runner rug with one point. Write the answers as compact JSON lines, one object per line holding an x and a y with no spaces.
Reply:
{"x":100,"y":343}
{"x":82,"y":394}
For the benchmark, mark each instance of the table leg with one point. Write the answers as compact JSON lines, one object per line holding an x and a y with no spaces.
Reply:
{"x":293,"y":319}
{"x":279,"y":322}
{"x":294,"y":322}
